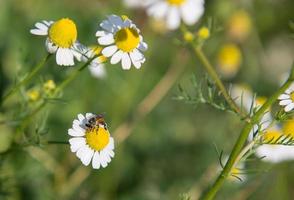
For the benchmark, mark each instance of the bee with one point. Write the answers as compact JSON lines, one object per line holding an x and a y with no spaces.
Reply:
{"x":96,"y":121}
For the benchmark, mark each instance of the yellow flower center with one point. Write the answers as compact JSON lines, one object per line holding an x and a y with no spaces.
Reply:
{"x":97,"y":138}
{"x":49,"y":85}
{"x":63,"y":33}
{"x":271,"y":135}
{"x":288,"y":128}
{"x":127,"y":39}
{"x":292,"y":96}
{"x":176,"y":2}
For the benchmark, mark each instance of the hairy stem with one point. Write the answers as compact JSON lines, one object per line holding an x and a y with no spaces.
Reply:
{"x":211,"y":192}
{"x":35,"y":70}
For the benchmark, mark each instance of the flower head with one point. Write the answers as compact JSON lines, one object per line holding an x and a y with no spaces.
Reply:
{"x":33,"y":95}
{"x":61,"y":39}
{"x":239,"y":25}
{"x":122,"y":41}
{"x":91,"y":140}
{"x":173,"y":11}
{"x":287,"y":99}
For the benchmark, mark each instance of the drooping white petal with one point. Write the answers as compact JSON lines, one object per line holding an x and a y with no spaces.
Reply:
{"x":50,"y":47}
{"x":85,"y":154}
{"x":191,"y":11}
{"x":173,"y":18}
{"x":116,"y":58}
{"x":109,"y":51}
{"x":41,"y":26}
{"x":76,"y":143}
{"x":96,"y":160}
{"x":126,"y":61}
{"x":64,"y":57}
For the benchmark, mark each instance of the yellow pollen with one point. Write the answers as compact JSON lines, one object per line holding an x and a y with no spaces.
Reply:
{"x":176,"y":2}
{"x":96,"y":49}
{"x":288,"y":127}
{"x":63,"y":33}
{"x":124,"y":17}
{"x":271,"y":135}
{"x":127,"y":39}
{"x":292,"y":96}
{"x":97,"y":138}
{"x":102,"y":59}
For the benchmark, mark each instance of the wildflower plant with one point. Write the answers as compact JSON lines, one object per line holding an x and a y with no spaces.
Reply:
{"x":267,"y":134}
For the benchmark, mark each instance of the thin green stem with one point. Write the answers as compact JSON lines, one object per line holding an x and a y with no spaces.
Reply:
{"x":210,"y":70}
{"x":241,"y":141}
{"x":24,"y":81}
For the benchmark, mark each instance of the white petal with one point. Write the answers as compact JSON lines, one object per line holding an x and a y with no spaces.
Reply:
{"x":137,"y":58}
{"x":96,"y":160}
{"x":81,"y":117}
{"x":158,"y":10}
{"x":106,"y":40}
{"x":173,"y":18}
{"x":89,"y":115}
{"x":126,"y":61}
{"x":285,"y":102}
{"x":191,"y":11}
{"x":41,"y":26}
{"x":64,"y":57}
{"x":103,"y":159}
{"x":50,"y":47}
{"x":100,"y":33}
{"x":116,"y":58}
{"x":289,"y":107}
{"x":106,"y":25}
{"x":75,"y":133}
{"x":109,"y":51}
{"x":116,"y":20}
{"x":143,"y":46}
{"x":38,"y":32}
{"x":76,"y":143}
{"x":110,"y":145}
{"x":85,"y":154}
{"x":284,"y":96}
{"x":97,"y":70}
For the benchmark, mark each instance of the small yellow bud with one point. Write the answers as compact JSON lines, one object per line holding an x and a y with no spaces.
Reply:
{"x":229,"y":60}
{"x":96,"y":49}
{"x":188,"y":36}
{"x":203,"y":33}
{"x":33,"y":95}
{"x":49,"y":85}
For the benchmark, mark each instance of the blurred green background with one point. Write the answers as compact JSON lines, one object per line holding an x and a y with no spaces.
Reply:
{"x":172,"y":150}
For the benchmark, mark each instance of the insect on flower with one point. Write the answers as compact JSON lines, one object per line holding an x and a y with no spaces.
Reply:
{"x":96,"y":121}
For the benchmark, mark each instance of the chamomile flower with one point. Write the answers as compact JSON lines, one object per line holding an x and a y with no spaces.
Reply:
{"x":91,"y":143}
{"x":122,"y":41}
{"x":61,"y":39}
{"x":287,"y":99}
{"x":173,"y":11}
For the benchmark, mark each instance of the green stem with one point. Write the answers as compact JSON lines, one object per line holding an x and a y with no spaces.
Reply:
{"x":35,"y":70}
{"x":210,"y":70}
{"x":241,"y":141}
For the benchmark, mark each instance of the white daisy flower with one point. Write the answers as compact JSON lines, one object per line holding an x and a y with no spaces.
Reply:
{"x":287,"y":99}
{"x":91,"y":142}
{"x":61,"y":39}
{"x":122,"y":41}
{"x":173,"y":11}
